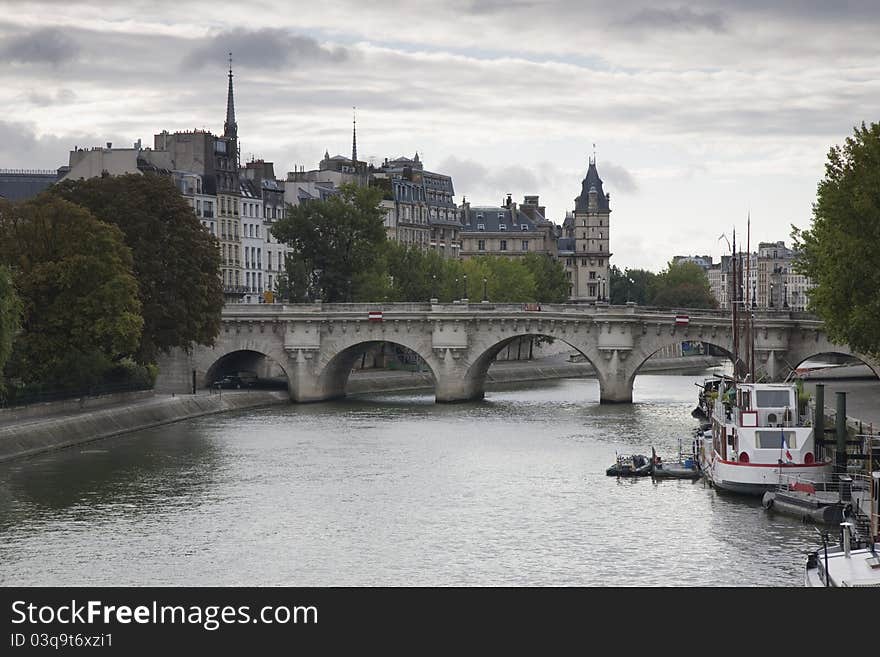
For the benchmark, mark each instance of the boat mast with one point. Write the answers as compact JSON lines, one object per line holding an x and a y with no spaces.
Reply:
{"x":733,"y":307}
{"x":750,"y":318}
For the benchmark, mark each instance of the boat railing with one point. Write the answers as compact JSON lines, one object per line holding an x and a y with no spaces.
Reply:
{"x":852,"y":482}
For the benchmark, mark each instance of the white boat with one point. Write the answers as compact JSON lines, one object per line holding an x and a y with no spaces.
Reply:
{"x":843,"y":566}
{"x":758,"y":439}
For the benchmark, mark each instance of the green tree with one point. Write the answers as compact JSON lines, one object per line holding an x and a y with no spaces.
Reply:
{"x":507,"y":280}
{"x":80,"y":300}
{"x":839,"y":251}
{"x":334,"y":240}
{"x":682,"y":285}
{"x":176,"y":261}
{"x":10,"y":317}
{"x":631,"y":285}
{"x":551,"y":282}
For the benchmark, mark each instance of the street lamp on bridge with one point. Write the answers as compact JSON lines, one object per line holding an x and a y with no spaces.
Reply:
{"x":485,"y":295}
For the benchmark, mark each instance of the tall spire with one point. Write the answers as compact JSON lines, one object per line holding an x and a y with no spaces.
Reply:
{"x":354,"y":140}
{"x":230,"y":128}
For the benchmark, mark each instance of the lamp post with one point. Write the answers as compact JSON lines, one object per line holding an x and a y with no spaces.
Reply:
{"x":464,"y":294}
{"x":601,"y":288}
{"x":434,"y":287}
{"x":754,"y":295}
{"x":785,"y":294}
{"x":485,"y":294}
{"x":771,"y":295}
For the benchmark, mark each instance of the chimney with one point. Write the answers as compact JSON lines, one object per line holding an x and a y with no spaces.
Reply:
{"x":109,"y":145}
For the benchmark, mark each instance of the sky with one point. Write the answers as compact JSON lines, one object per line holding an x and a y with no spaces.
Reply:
{"x":701,"y":113}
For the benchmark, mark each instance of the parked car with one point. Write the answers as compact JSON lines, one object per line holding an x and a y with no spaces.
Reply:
{"x":231,"y":382}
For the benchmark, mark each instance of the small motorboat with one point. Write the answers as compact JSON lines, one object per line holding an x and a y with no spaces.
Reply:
{"x":684,"y":469}
{"x":637,"y":465}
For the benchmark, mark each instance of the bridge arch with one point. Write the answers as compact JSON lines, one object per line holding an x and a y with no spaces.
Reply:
{"x":232,"y":350}
{"x":800,"y":359}
{"x":334,"y":367}
{"x":477,"y":369}
{"x":233,"y":362}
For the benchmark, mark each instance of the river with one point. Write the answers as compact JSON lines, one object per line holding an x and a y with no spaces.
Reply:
{"x":394,"y":490}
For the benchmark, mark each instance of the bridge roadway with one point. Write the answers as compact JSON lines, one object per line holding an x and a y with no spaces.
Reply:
{"x":316,"y":345}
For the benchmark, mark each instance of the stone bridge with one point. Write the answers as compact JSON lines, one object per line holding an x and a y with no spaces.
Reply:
{"x":316,"y":345}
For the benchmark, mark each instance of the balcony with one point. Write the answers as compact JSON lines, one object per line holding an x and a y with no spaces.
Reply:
{"x":239,"y":290}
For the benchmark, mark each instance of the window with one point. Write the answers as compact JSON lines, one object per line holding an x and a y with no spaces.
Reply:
{"x":592,"y":289}
{"x":504,"y":245}
{"x":481,"y":226}
{"x":773,"y":439}
{"x":773,"y":398}
{"x":523,"y":227}
{"x":502,"y":226}
{"x":481,"y":245}
{"x":525,"y":245}
{"x":592,"y":276}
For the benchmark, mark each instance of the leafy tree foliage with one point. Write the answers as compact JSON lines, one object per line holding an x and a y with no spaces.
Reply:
{"x":682,"y":285}
{"x":332,"y":241}
{"x":839,"y":251}
{"x":10,"y":316}
{"x":80,"y":301}
{"x":631,"y":285}
{"x":551,"y":283}
{"x":176,"y":261}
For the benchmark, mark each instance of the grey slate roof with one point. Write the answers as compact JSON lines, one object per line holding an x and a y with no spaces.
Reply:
{"x":20,"y":185}
{"x":491,"y":217}
{"x":591,"y":180}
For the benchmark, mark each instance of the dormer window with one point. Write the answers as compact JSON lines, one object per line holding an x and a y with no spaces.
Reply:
{"x":524,"y":227}
{"x":502,"y":226}
{"x":481,"y":226}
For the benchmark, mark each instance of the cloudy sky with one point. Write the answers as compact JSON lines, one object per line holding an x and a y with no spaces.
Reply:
{"x":700,"y":112}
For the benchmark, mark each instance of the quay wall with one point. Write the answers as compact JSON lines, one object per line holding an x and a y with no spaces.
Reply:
{"x":28,"y":438}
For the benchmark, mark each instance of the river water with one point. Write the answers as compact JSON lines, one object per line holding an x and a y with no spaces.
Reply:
{"x":394,"y":490}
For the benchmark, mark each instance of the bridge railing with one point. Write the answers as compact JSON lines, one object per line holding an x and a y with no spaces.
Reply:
{"x":574,"y":309}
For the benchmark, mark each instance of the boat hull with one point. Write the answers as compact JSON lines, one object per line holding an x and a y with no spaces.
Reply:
{"x":828,"y":514}
{"x":757,"y":479}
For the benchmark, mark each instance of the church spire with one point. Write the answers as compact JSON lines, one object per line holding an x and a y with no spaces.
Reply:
{"x":230,"y":128}
{"x":354,"y":141}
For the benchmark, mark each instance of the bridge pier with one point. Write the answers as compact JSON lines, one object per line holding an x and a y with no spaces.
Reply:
{"x":615,"y":378}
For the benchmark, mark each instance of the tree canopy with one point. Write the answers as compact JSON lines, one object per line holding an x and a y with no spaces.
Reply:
{"x":682,"y":285}
{"x":80,"y":305}
{"x":839,"y":251}
{"x":551,"y":282}
{"x":10,"y":316}
{"x":631,"y":285}
{"x":176,"y":261}
{"x":333,"y":241}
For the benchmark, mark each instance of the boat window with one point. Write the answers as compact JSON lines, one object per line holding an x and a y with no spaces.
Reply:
{"x":773,"y":439}
{"x":773,"y":398}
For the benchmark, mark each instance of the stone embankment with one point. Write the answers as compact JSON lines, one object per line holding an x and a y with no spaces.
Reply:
{"x":26,"y":436}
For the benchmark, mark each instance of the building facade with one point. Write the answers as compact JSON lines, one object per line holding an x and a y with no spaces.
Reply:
{"x":585,"y":245}
{"x":767,"y":279}
{"x":506,"y":230}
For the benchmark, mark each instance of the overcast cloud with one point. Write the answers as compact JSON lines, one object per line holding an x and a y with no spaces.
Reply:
{"x":700,"y":112}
